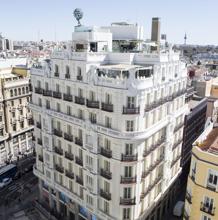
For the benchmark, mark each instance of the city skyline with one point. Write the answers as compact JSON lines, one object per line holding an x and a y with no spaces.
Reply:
{"x":177,"y":18}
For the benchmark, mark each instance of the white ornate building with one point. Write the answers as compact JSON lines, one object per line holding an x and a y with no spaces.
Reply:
{"x":108,"y":128}
{"x":16,"y":123}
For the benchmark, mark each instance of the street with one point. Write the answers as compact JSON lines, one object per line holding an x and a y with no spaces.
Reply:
{"x":16,"y":199}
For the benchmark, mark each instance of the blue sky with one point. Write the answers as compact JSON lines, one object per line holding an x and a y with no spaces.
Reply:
{"x":28,"y":19}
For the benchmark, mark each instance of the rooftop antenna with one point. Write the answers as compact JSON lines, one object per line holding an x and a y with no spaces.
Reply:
{"x":185,"y":38}
{"x":78,"y":14}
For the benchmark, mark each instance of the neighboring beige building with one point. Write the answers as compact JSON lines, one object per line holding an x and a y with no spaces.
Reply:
{"x":201,"y":196}
{"x":16,"y":124}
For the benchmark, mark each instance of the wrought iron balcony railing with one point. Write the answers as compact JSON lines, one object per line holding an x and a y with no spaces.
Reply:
{"x":69,"y":156}
{"x":106,"y":174}
{"x":128,"y":180}
{"x":92,"y":103}
{"x":57,"y":95}
{"x":107,"y":107}
{"x":57,"y":132}
{"x":47,"y":92}
{"x":68,"y":97}
{"x":129,"y":158}
{"x":127,"y":201}
{"x":106,"y":152}
{"x":79,"y":161}
{"x":69,"y":174}
{"x":105,"y":195}
{"x":79,"y":100}
{"x":58,"y":150}
{"x":131,"y":110}
{"x":68,"y":137}
{"x":207,"y":208}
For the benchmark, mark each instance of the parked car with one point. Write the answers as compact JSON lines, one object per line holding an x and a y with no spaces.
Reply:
{"x":178,"y":209}
{"x":5,"y":182}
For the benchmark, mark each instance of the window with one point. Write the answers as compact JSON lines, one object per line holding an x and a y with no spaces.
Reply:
{"x":106,"y":207}
{"x":108,"y":98}
{"x":89,"y":161}
{"x":22,"y":124}
{"x":128,"y":171}
{"x":204,"y":217}
{"x":14,"y":127}
{"x":89,"y":180}
{"x":0,"y":117}
{"x":68,"y":110}
{"x":27,"y":89}
{"x":56,"y":68}
{"x":20,"y":101}
{"x":19,"y":91}
{"x":1,"y":132}
{"x":80,"y":113}
{"x":92,"y":96}
{"x":126,"y":213}
{"x":40,"y":102}
{"x":47,"y":104}
{"x":68,"y":90}
{"x":208,"y":202}
{"x":129,"y":149}
{"x":15,"y":92}
{"x":108,"y":122}
{"x":127,"y":193}
{"x":79,"y":71}
{"x":106,"y":187}
{"x":58,"y":107}
{"x":89,"y":200}
{"x":92,"y":117}
{"x":57,"y":88}
{"x":107,"y":144}
{"x":67,"y":70}
{"x":12,"y":103}
{"x":80,"y":93}
{"x":212,"y":180}
{"x":11,"y":93}
{"x":130,"y":102}
{"x":107,"y":165}
{"x":129,"y":125}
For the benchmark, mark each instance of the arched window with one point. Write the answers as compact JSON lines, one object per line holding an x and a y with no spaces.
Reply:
{"x":11,"y":93}
{"x":23,"y":90}
{"x":56,"y":68}
{"x":67,"y":70}
{"x":15,"y":92}
{"x":27,"y":89}
{"x":79,"y":71}
{"x":19,"y":91}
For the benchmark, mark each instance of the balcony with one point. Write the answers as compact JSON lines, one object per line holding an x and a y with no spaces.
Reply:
{"x":68,"y":137}
{"x":79,"y":77}
{"x":69,"y":156}
{"x":92,"y":104}
{"x":58,"y":150}
{"x":39,"y":141}
{"x":106,"y":153}
{"x":211,"y":187}
{"x":68,"y":97}
{"x":107,"y":107}
{"x":154,"y":146}
{"x":79,"y":100}
{"x":105,"y":195}
{"x":57,"y":95}
{"x":38,"y":90}
{"x":67,"y":76}
{"x":131,"y":110}
{"x":79,"y":161}
{"x":79,"y":180}
{"x":40,"y":158}
{"x":129,"y":158}
{"x":38,"y":125}
{"x":59,"y":168}
{"x":57,"y":132}
{"x":47,"y":92}
{"x":207,"y":208}
{"x":69,"y":174}
{"x":127,"y":201}
{"x":188,"y":197}
{"x":79,"y":141}
{"x":128,"y":180}
{"x":56,"y":74}
{"x":106,"y":174}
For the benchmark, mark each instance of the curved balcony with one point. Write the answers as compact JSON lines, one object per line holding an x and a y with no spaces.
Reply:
{"x":59,"y":168}
{"x":107,"y":107}
{"x":105,"y":195}
{"x":92,"y":104}
{"x":79,"y":141}
{"x":129,"y":158}
{"x":79,"y":180}
{"x":106,"y":174}
{"x":106,"y":153}
{"x":79,"y":100}
{"x":131,"y":110}
{"x":57,"y":132}
{"x":38,"y":90}
{"x":127,"y":180}
{"x":68,"y":97}
{"x":58,"y":150}
{"x":47,"y":92}
{"x":69,"y":156}
{"x":79,"y":161}
{"x":68,"y":137}
{"x":69,"y":174}
{"x":57,"y":95}
{"x":127,"y":201}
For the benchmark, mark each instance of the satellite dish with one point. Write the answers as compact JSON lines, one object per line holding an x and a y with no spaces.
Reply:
{"x":78,"y":14}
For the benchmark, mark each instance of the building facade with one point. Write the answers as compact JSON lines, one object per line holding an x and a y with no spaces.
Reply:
{"x":16,"y":123}
{"x":109,"y":128}
{"x":201,"y":195}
